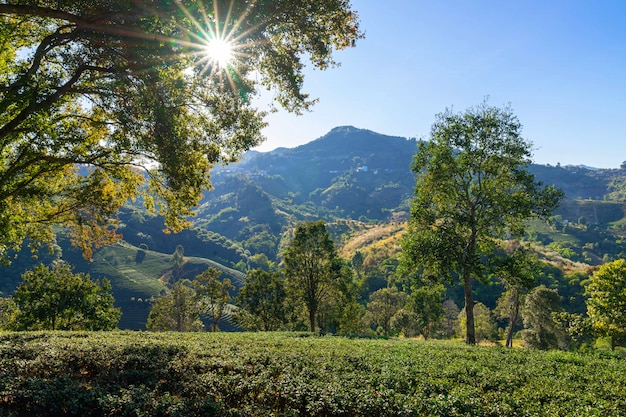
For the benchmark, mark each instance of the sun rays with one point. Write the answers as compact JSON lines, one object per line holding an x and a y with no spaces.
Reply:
{"x":218,"y":42}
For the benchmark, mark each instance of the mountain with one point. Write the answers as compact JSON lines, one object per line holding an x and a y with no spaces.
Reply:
{"x":361,"y":184}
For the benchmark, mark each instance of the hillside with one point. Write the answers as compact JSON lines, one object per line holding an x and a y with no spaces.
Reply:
{"x":361,"y":184}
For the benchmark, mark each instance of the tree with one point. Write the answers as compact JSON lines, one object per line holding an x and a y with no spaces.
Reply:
{"x":96,"y":95}
{"x":472,"y":188}
{"x":357,"y":263}
{"x":426,"y":302}
{"x":176,"y":311}
{"x":213,"y":295}
{"x":383,"y":305}
{"x":515,"y":268}
{"x":262,"y":297}
{"x":178,"y":260}
{"x":448,"y":325}
{"x":486,"y":328}
{"x":541,"y":329}
{"x":7,"y":312}
{"x":54,"y":298}
{"x":606,"y":304}
{"x":312,"y":267}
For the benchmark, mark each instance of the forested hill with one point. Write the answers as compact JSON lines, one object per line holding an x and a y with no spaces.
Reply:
{"x":357,"y":180}
{"x":352,"y":172}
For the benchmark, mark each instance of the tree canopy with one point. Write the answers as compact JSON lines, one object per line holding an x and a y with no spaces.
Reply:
{"x":606,"y":304}
{"x":95,"y":96}
{"x":472,"y":189}
{"x":54,"y":298}
{"x":312,"y":267}
{"x":177,"y":311}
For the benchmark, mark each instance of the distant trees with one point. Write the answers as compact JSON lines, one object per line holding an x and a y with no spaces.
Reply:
{"x":176,"y":311}
{"x":212,"y":295}
{"x":312,"y":267}
{"x":542,"y":331}
{"x":606,"y":304}
{"x":262,"y":301}
{"x":426,"y":303}
{"x":182,"y":308}
{"x":516,"y":269}
{"x":472,"y":188}
{"x":54,"y":298}
{"x":383,"y":305}
{"x":178,"y":259}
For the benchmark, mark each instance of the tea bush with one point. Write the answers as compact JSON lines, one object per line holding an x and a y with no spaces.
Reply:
{"x":286,"y":374}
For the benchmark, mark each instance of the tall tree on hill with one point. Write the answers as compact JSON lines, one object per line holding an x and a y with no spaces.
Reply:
{"x":95,"y":94}
{"x":472,"y":188}
{"x":312,"y":267}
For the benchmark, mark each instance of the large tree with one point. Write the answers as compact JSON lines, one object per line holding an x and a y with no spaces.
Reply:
{"x":312,"y":267}
{"x":606,"y":304}
{"x":472,"y":188}
{"x":94,"y":96}
{"x":54,"y":298}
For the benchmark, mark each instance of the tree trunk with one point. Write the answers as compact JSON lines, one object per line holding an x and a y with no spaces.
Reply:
{"x":312,"y":319}
{"x":513,"y":318}
{"x":470,"y":332}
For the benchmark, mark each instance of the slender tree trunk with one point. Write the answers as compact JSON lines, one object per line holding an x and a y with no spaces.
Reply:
{"x":312,"y":319}
{"x":470,"y":332}
{"x":513,"y":318}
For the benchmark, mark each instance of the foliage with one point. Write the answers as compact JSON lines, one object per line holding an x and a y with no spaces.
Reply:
{"x":516,"y":268}
{"x":93,"y":92}
{"x":263,"y":299}
{"x":8,"y":309}
{"x":486,"y":329}
{"x":472,"y":187}
{"x":265,"y":374}
{"x":178,"y":259}
{"x":177,"y":311}
{"x":312,"y":267}
{"x":606,"y":304}
{"x":383,"y":305}
{"x":448,"y":325}
{"x":212,"y":295}
{"x":541,"y":329}
{"x":426,"y":302}
{"x":57,"y":299}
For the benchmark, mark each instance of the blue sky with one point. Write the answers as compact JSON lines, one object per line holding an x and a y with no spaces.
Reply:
{"x":561,"y":65}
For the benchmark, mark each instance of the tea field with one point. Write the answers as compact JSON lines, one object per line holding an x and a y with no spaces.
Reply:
{"x":287,"y":374}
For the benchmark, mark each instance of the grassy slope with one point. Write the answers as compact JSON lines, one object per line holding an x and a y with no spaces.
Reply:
{"x":244,"y":374}
{"x":135,"y":283}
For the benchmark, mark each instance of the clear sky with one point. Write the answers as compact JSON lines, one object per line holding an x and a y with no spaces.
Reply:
{"x":560,"y":64}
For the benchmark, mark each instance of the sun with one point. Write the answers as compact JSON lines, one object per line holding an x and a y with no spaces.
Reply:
{"x":220,"y":52}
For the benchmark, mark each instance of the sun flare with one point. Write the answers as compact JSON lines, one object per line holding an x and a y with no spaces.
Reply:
{"x":220,"y":52}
